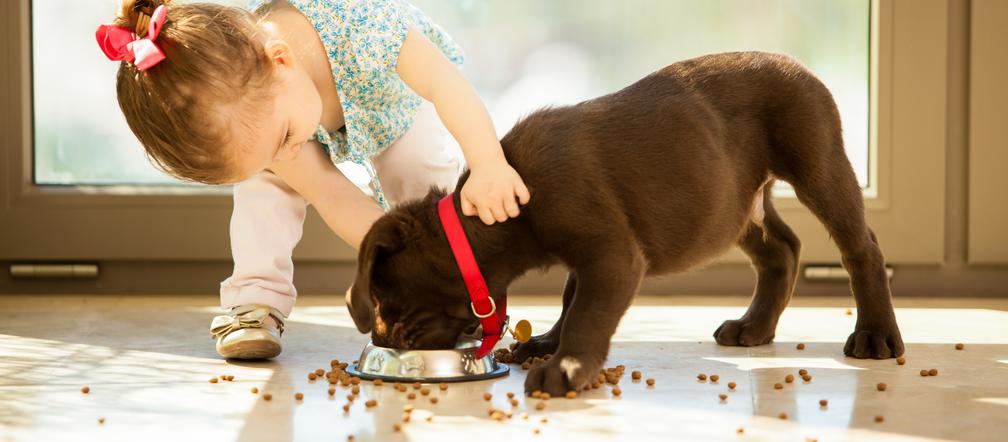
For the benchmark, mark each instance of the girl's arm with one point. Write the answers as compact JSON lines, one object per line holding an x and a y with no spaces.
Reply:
{"x":347,"y":211}
{"x":493,"y":184}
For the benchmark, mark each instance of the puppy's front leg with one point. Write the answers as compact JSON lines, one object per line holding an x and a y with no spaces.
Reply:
{"x":549,"y":341}
{"x":604,"y":291}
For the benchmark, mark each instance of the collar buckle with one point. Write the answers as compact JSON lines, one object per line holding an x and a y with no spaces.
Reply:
{"x":493,"y":309}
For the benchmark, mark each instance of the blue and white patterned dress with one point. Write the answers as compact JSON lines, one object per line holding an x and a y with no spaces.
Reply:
{"x":363,"y":39}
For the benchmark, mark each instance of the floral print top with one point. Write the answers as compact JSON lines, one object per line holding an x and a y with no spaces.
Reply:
{"x":363,"y":39}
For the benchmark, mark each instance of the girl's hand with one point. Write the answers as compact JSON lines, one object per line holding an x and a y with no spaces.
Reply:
{"x":491,"y":192}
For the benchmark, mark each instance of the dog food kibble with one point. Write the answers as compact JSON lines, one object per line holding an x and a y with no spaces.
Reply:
{"x":416,"y":385}
{"x":101,"y":421}
{"x":535,"y":431}
{"x":378,"y":383}
{"x":959,"y":346}
{"x":411,"y":396}
{"x":497,"y":416}
{"x":881,"y":386}
{"x":405,"y":417}
{"x":401,"y":388}
{"x":701,"y":377}
{"x":298,"y":396}
{"x":355,"y":389}
{"x":543,"y":420}
{"x":397,"y":427}
{"x":425,"y":391}
{"x":525,"y":366}
{"x":571,"y":394}
{"x":541,"y":406}
{"x":267,"y":396}
{"x":901,"y":360}
{"x":213,"y":380}
{"x":430,"y":418}
{"x":332,"y":391}
{"x":254,"y":390}
{"x":800,"y":346}
{"x":789,"y":378}
{"x":371,"y":403}
{"x":487,"y":396}
{"x":723,"y":396}
{"x":433,"y":399}
{"x":731,"y":385}
{"x":740,"y":430}
{"x":536,"y":394}
{"x":714,"y":378}
{"x":782,"y":415}
{"x":355,"y":380}
{"x":514,"y":402}
{"x":85,"y":389}
{"x":802,"y":372}
{"x":778,"y":386}
{"x":319,"y":372}
{"x":650,"y":382}
{"x":544,"y":396}
{"x":879,"y":418}
{"x":923,"y":372}
{"x":847,"y":312}
{"x":823,"y":402}
{"x":933,"y":372}
{"x":616,"y":391}
{"x":443,"y":386}
{"x":635,"y":375}
{"x":807,"y":378}
{"x":311,"y":376}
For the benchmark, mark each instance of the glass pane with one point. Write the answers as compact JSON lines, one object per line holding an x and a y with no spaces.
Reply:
{"x":521,"y":55}
{"x":524,"y":54}
{"x":80,"y":134}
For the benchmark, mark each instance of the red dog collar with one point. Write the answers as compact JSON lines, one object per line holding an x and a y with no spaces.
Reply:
{"x":493,"y":317}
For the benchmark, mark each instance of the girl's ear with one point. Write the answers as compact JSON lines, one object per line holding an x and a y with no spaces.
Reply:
{"x":279,"y":52}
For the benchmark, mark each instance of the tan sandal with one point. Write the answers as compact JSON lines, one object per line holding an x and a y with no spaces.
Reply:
{"x":248,"y":333}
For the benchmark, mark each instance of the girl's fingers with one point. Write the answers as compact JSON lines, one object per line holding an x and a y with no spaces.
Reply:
{"x":511,"y":206}
{"x":486,"y":215}
{"x":522,"y":192}
{"x":498,"y":212}
{"x":468,"y":209}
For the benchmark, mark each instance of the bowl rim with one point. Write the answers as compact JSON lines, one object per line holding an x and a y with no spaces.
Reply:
{"x":501,"y":370}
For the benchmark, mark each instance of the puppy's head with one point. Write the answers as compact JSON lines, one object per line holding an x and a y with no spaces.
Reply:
{"x":408,"y":292}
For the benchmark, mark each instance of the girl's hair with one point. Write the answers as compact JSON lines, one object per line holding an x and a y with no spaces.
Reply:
{"x":215,"y":71}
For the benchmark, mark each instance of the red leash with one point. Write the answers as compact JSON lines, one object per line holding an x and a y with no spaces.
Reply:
{"x":493,"y":317}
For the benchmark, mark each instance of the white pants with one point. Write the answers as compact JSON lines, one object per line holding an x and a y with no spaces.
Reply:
{"x":268,"y":215}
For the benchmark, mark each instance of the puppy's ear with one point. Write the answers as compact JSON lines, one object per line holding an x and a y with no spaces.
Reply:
{"x":379,"y":242}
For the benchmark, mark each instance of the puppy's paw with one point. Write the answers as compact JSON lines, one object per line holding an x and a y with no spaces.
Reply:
{"x":878,"y":342}
{"x":536,"y":346}
{"x":744,"y":332}
{"x":561,"y":374}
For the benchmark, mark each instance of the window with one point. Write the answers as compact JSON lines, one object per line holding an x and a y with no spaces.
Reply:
{"x":521,"y":55}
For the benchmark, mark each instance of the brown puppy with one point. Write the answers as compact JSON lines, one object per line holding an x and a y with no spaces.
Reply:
{"x":659,"y":177}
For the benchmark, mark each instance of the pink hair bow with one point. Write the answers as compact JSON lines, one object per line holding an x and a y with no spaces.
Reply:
{"x":119,"y":43}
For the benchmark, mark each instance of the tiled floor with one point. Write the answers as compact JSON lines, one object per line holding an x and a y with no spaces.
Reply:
{"x":147,"y":361}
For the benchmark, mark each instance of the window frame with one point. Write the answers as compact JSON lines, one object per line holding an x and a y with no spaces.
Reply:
{"x":907,"y":107}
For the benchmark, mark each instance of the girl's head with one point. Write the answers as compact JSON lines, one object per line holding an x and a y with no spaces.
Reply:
{"x":215,"y":109}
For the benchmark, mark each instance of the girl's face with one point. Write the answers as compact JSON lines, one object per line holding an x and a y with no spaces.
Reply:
{"x":296,"y":112}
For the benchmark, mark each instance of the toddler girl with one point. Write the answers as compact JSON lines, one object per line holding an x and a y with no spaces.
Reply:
{"x":272,"y":98}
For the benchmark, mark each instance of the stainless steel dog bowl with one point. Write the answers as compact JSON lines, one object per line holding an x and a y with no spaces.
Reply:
{"x":455,"y":365}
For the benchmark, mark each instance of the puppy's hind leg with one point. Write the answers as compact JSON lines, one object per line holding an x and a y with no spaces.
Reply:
{"x":773,"y":249}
